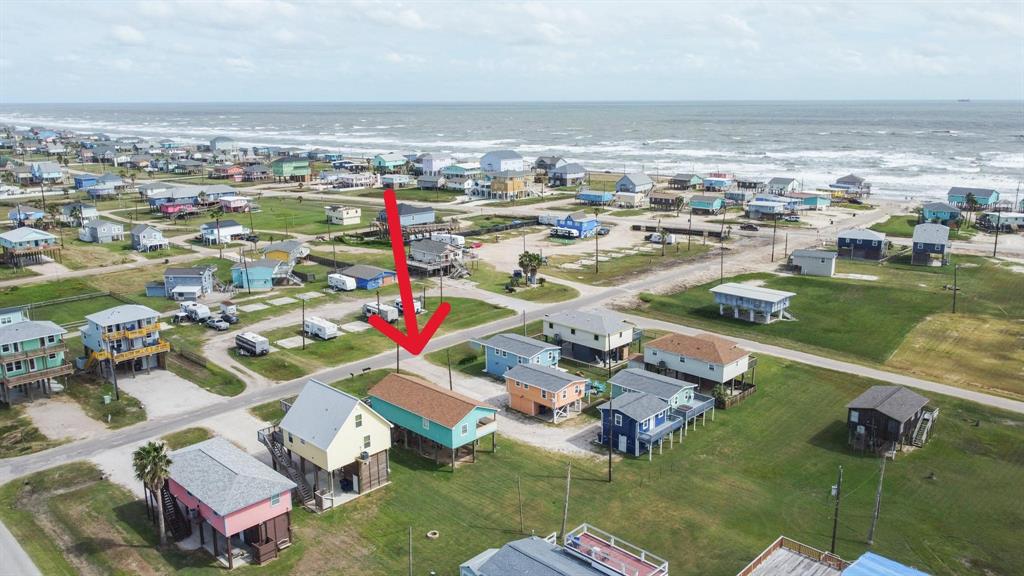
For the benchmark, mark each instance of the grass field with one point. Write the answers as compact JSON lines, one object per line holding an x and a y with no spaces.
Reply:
{"x":489,"y":279}
{"x":65,"y":313}
{"x":414,"y":195}
{"x":18,"y":436}
{"x":208,"y":376}
{"x":549,"y":197}
{"x":78,"y":255}
{"x":902,"y":226}
{"x":758,"y":471}
{"x":630,"y":212}
{"x":286,"y":364}
{"x":289,"y":215}
{"x":624,"y":268}
{"x":88,"y":391}
{"x":186,"y":437}
{"x":10,"y":273}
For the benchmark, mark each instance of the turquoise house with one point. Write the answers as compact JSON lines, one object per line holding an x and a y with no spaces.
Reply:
{"x":388,"y":162}
{"x":957,"y":196}
{"x":816,"y":202}
{"x":435,"y":421}
{"x":31,"y":355}
{"x":257,"y":275}
{"x":707,"y":204}
{"x":940,"y":212}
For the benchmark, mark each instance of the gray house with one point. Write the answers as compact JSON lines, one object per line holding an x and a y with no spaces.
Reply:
{"x":635,"y":183}
{"x":930,"y":240}
{"x":566,"y":174}
{"x":101,"y":231}
{"x":814,"y":262}
{"x":77,"y":213}
{"x":184,"y":283}
{"x":146,"y":238}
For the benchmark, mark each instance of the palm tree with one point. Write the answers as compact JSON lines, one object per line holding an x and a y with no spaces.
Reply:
{"x":971,"y":203}
{"x":152,"y":468}
{"x":530,"y":262}
{"x":53,"y":210}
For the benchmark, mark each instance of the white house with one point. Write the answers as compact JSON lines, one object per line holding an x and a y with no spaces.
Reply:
{"x":783,"y":186}
{"x":596,"y":336}
{"x":223,"y":143}
{"x":703,"y":359}
{"x":343,"y":215}
{"x":433,"y":164}
{"x":502,"y":161}
{"x":227,"y":231}
{"x":814,"y":262}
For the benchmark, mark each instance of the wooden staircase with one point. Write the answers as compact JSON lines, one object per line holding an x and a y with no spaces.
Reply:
{"x":269,"y":437}
{"x":924,"y":426}
{"x":175,"y":521}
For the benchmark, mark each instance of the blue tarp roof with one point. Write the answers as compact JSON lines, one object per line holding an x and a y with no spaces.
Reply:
{"x":871,"y":564}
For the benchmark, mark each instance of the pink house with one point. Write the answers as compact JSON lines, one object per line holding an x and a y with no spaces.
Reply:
{"x":246,"y":504}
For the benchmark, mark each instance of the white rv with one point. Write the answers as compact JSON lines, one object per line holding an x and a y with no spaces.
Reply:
{"x":388,"y":313}
{"x":320,"y":328}
{"x":252,"y":344}
{"x":196,"y":312}
{"x":340,"y":282}
{"x":453,"y":239}
{"x":417,"y":305}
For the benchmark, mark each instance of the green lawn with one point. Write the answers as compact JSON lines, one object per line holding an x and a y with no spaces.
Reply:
{"x":624,"y":268}
{"x":208,"y":376}
{"x":89,"y":391}
{"x":186,"y":437}
{"x":64,"y":313}
{"x":759,"y":470}
{"x":290,"y":215}
{"x":489,"y":279}
{"x":287,"y":364}
{"x":549,"y":197}
{"x":630,"y":212}
{"x":415,"y":195}
{"x":902,"y":226}
{"x":10,"y":273}
{"x":19,"y":436}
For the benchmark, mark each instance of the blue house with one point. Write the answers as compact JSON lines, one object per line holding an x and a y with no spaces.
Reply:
{"x":986,"y":197}
{"x":765,"y":209}
{"x":930,"y":240}
{"x":258,"y":275}
{"x":21,"y":214}
{"x":585,"y":224}
{"x":410,"y":215}
{"x":717,"y":183}
{"x":635,"y":421}
{"x":707,"y":204}
{"x":681,"y":396}
{"x":815,"y":202}
{"x":594,"y":197}
{"x":862,"y":243}
{"x":940,"y":212}
{"x":433,"y":420}
{"x":369,"y":277}
{"x":184,"y":283}
{"x":752,"y":303}
{"x":636,"y":183}
{"x":85,"y":181}
{"x":503,"y":351}
{"x":791,"y":204}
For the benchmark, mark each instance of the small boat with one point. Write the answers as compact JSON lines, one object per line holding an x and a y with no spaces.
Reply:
{"x":963,"y":100}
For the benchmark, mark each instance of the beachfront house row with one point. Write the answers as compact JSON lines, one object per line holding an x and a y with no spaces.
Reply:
{"x":566,"y":174}
{"x":389,"y":162}
{"x":666,"y":200}
{"x":718,"y":182}
{"x":123,"y":336}
{"x":409,"y":215}
{"x":183,"y":284}
{"x":783,"y":186}
{"x":635,"y":182}
{"x":147,"y":238}
{"x":433,"y":164}
{"x":704,"y":359}
{"x":441,"y":423}
{"x":26,"y":245}
{"x":32,"y":355}
{"x":343,"y":215}
{"x":245,"y":503}
{"x":504,"y":351}
{"x":985,"y":197}
{"x":223,"y":144}
{"x":333,"y":445}
{"x":888,"y":418}
{"x":748,"y":185}
{"x":222,"y":232}
{"x":545,"y":391}
{"x":502,"y":161}
{"x":930,"y":240}
{"x":585,"y":551}
{"x":707,"y":204}
{"x":597,"y":337}
{"x":291,"y":169}
{"x":852,"y":185}
{"x":940,"y":213}
{"x":685,"y":181}
{"x":741,"y":195}
{"x":458,"y":173}
{"x":814,"y":262}
{"x":101,"y":231}
{"x":549,"y":163}
{"x":369,"y":277}
{"x":77,"y":213}
{"x":862,"y":243}
{"x":752,"y":303}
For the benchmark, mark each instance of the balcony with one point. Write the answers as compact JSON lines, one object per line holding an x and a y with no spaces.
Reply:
{"x":671,"y":424}
{"x":38,"y":375}
{"x":130,"y":334}
{"x":486,"y":426}
{"x":26,"y":354}
{"x":612,"y":555}
{"x":127,"y":355}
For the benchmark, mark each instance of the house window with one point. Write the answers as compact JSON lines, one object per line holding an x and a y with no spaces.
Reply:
{"x":502,"y":353}
{"x":52,"y":356}
{"x":426,"y":424}
{"x":854,"y":416}
{"x":874,"y":242}
{"x":518,"y":385}
{"x":920,"y":246}
{"x":551,"y":325}
{"x":859,"y":241}
{"x":572,"y":330}
{"x":359,"y":420}
{"x":6,"y":348}
{"x":711,"y":366}
{"x":275,"y":499}
{"x":464,"y":430}
{"x":526,"y":386}
{"x":6,"y":320}
{"x":51,"y":338}
{"x":565,"y":394}
{"x":366,"y":442}
{"x":682,"y":359}
{"x":595,"y":337}
{"x":576,"y":389}
{"x":544,"y":394}
{"x":618,"y":419}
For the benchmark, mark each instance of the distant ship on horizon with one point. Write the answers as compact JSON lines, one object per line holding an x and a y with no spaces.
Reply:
{"x":963,"y":100}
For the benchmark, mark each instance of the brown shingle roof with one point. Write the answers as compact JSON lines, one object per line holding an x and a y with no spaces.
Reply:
{"x":424,"y":399}
{"x":707,"y":347}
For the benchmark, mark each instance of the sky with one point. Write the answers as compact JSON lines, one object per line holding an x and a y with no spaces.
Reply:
{"x":254,"y":50}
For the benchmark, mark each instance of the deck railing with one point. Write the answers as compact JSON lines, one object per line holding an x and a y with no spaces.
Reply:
{"x":826,"y":558}
{"x":26,"y":354}
{"x":658,"y":566}
{"x":38,"y":375}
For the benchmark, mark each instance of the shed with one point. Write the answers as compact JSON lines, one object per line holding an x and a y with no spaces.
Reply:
{"x":814,"y":262}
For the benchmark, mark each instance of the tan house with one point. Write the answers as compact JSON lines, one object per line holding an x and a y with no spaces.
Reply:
{"x":537,"y":390}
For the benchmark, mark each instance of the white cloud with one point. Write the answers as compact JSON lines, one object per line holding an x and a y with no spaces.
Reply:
{"x":126,"y":34}
{"x":400,"y":58}
{"x":928,"y":62}
{"x":239,"y":63}
{"x":123,"y":64}
{"x":392,"y":15}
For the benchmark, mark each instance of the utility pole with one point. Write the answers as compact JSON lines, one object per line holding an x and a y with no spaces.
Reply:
{"x":661,"y":231}
{"x":334,"y":249}
{"x":878,"y":504}
{"x":597,"y":249}
{"x":519,"y":494}
{"x":775,"y":230}
{"x":565,"y":504}
{"x":999,"y":221}
{"x":524,"y":323}
{"x":785,"y":248}
{"x":448,"y":356}
{"x":303,"y":333}
{"x":955,"y":266}
{"x":410,"y":550}
{"x":611,"y":432}
{"x":835,"y":517}
{"x":689,"y":232}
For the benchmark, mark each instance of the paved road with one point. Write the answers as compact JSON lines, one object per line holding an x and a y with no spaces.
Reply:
{"x":13,"y":559}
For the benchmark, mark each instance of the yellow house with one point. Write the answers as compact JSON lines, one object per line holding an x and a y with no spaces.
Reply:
{"x":508,"y":185}
{"x":288,"y":251}
{"x":334,"y":443}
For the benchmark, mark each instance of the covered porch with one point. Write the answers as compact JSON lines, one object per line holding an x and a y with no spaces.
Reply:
{"x":447,"y":455}
{"x":255,"y":545}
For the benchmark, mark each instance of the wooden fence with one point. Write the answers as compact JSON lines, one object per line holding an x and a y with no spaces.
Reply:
{"x":683,"y":231}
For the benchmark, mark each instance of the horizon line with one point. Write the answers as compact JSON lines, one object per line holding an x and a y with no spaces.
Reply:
{"x":611,"y":101}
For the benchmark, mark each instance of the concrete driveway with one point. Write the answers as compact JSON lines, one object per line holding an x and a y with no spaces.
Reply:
{"x":164,"y":393}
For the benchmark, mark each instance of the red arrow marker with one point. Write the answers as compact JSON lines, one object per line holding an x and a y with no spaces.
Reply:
{"x":413,"y":340}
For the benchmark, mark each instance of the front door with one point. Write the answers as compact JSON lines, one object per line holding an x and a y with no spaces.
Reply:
{"x":622,"y":442}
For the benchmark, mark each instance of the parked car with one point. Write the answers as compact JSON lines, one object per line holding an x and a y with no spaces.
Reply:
{"x":749,"y":227}
{"x":855,"y":201}
{"x":217,"y":323}
{"x":252,"y":238}
{"x":229,"y":318}
{"x":603,"y":231}
{"x":791,"y":218}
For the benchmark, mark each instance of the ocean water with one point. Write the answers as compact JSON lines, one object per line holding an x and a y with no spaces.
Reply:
{"x":916,"y":149}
